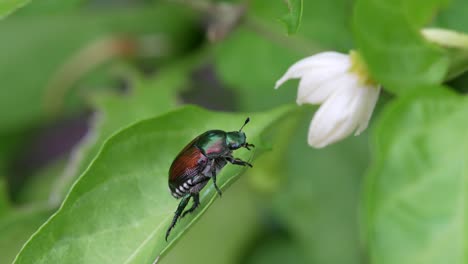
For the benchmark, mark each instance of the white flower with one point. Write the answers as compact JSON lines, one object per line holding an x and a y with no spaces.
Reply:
{"x":341,"y":84}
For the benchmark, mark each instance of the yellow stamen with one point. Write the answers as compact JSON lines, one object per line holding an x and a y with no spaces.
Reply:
{"x":359,"y":67}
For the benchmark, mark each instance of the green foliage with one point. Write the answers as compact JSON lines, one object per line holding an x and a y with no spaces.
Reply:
{"x":38,"y":187}
{"x":4,"y":203}
{"x":8,"y":6}
{"x":146,"y":98}
{"x":15,"y":229}
{"x":326,"y":26}
{"x":270,"y":54}
{"x":277,"y":251}
{"x":119,"y":209}
{"x":25,"y":38}
{"x":388,"y":39}
{"x":303,"y":177}
{"x":298,"y":204}
{"x":250,"y":45}
{"x":319,"y":200}
{"x":453,"y":16}
{"x":416,"y":191}
{"x":292,"y":19}
{"x":51,"y":7}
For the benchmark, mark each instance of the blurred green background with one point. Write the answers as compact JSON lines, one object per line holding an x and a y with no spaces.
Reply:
{"x":75,"y":72}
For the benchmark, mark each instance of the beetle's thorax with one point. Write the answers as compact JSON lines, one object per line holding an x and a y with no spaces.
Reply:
{"x":213,"y":143}
{"x":235,"y":139}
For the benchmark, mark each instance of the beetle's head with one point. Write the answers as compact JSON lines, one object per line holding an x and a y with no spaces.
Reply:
{"x":237,"y":139}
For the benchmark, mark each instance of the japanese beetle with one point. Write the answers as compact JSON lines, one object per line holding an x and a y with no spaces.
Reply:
{"x":200,"y":161}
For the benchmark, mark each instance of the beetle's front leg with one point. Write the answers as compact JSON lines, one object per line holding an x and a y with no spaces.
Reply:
{"x":237,"y":161}
{"x":248,"y":146}
{"x":179,"y":210}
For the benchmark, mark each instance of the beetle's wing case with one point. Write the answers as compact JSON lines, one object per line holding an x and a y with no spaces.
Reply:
{"x":185,"y":168}
{"x":187,"y":164}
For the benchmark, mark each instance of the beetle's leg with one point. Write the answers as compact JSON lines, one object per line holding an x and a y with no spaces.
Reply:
{"x":196,"y":203}
{"x":213,"y":176}
{"x":237,"y":161}
{"x":247,"y":146}
{"x":179,"y":210}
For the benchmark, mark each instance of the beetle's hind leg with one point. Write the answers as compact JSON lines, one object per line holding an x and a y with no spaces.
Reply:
{"x":179,"y":210}
{"x":196,"y":203}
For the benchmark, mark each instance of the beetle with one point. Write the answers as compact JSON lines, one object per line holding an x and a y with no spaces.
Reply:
{"x":200,"y":161}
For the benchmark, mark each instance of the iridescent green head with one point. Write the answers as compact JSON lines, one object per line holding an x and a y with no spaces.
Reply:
{"x":237,"y":139}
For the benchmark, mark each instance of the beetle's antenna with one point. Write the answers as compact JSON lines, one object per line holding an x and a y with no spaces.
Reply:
{"x":245,"y":123}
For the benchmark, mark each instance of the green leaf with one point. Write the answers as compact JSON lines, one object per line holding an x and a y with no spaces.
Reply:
{"x":8,"y":6}
{"x":119,"y":209}
{"x":147,"y":98}
{"x":16,"y":228}
{"x":388,"y":38}
{"x":293,"y":18}
{"x":416,"y":191}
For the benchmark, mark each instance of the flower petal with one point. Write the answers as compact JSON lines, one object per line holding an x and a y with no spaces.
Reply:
{"x":336,"y":118}
{"x":304,"y":66}
{"x":315,"y":90}
{"x":371,"y":96}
